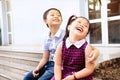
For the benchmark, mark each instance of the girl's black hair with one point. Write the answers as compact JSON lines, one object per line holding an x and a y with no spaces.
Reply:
{"x":70,"y":20}
{"x":47,"y":11}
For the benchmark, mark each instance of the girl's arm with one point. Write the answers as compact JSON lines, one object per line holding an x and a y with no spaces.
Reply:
{"x":58,"y":63}
{"x":89,"y":67}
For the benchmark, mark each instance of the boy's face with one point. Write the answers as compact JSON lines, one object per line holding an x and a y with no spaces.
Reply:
{"x":53,"y":18}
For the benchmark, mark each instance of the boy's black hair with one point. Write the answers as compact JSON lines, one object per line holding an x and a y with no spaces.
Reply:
{"x":47,"y":11}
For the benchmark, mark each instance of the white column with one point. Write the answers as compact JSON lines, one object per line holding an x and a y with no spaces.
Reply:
{"x":104,"y":22}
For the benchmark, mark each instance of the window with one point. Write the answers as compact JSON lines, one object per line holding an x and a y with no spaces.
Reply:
{"x":113,"y":7}
{"x":94,"y":16}
{"x":113,"y":11}
{"x":104,"y":21}
{"x":94,"y":9}
{"x":95,"y":33}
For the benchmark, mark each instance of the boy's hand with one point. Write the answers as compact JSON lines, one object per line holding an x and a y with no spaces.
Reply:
{"x":93,"y":56}
{"x":35,"y":73}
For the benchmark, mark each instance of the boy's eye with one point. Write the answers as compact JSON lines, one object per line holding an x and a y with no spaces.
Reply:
{"x":52,"y":14}
{"x":58,"y":15}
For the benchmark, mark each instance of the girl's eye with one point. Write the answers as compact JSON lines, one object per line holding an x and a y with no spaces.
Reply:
{"x":85,"y":26}
{"x":79,"y":22}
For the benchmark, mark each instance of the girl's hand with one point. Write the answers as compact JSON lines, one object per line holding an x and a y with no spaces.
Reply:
{"x":35,"y":73}
{"x":70,"y":77}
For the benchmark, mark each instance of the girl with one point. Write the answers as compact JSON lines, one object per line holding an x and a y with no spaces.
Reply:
{"x":71,"y":61}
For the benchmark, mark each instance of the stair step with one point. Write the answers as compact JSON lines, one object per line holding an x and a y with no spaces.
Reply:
{"x":4,"y":77}
{"x":12,"y":69}
{"x":10,"y":75}
{"x":21,"y":53}
{"x":20,"y":59}
{"x":17,"y":65}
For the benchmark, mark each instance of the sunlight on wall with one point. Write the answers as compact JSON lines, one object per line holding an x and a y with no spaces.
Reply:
{"x":28,"y":25}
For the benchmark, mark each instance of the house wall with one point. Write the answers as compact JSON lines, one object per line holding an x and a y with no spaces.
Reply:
{"x":29,"y":28}
{"x":27,"y":21}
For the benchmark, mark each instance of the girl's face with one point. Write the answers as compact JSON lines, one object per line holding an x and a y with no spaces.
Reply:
{"x":79,"y":27}
{"x":53,"y":18}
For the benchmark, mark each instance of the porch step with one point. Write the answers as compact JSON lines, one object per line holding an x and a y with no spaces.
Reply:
{"x":15,"y":64}
{"x":4,"y":77}
{"x":20,"y":59}
{"x":7,"y":75}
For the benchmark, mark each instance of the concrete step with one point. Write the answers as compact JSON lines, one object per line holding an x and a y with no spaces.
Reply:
{"x":13,"y":70}
{"x":4,"y":77}
{"x":22,"y":53}
{"x":7,"y":75}
{"x":20,"y":59}
{"x":15,"y":64}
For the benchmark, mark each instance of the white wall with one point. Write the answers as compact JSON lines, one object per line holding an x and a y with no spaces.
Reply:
{"x":28,"y":25}
{"x":29,"y":28}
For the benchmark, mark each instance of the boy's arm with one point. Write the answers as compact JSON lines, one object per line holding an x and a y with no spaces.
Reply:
{"x":58,"y":63}
{"x":42,"y":62}
{"x":93,"y":54}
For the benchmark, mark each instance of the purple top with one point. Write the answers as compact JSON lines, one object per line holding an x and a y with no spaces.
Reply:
{"x":73,"y":59}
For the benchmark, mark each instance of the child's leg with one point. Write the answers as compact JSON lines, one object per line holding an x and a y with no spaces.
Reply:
{"x":49,"y":71}
{"x":29,"y":76}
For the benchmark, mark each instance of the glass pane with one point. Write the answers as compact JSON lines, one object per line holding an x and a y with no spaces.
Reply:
{"x":114,"y":31}
{"x":113,"y":7}
{"x":95,"y":33}
{"x":94,"y":9}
